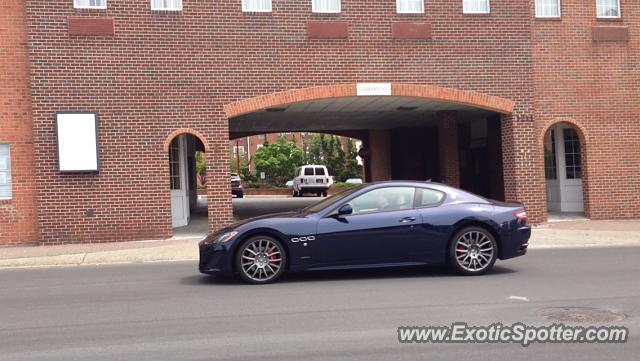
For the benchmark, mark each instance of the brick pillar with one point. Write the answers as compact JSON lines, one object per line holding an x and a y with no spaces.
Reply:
{"x":379,"y":151}
{"x":448,"y":148}
{"x":219,"y":205}
{"x":523,"y":166}
{"x":18,"y":215}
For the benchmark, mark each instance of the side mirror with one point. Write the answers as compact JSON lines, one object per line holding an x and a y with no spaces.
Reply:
{"x":344,"y":210}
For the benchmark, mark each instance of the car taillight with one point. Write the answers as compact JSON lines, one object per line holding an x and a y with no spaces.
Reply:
{"x":241,"y":183}
{"x":521,"y":215}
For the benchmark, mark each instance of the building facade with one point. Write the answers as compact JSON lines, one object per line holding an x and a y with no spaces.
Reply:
{"x":534,"y":101}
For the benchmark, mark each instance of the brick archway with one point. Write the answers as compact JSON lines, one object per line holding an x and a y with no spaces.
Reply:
{"x":177,"y":132}
{"x":478,"y":100}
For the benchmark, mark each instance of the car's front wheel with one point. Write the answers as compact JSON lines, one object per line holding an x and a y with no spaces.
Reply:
{"x":473,"y":251}
{"x":260,"y":260}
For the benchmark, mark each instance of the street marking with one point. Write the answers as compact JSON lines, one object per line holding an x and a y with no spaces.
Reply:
{"x":518,"y":298}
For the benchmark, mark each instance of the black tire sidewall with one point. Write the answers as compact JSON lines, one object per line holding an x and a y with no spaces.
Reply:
{"x":451,"y":252}
{"x":238,"y":260}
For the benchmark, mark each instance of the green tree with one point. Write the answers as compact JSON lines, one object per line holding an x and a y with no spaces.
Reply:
{"x":278,"y":161}
{"x":351,"y":169}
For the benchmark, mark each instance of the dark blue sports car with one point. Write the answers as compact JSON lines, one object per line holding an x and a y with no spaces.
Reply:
{"x":384,"y":224}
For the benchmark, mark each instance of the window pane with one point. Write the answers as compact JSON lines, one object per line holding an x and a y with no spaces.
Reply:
{"x":256,"y":5}
{"x":410,"y":6}
{"x":90,"y":3}
{"x":475,"y":6}
{"x":5,"y":172}
{"x":384,"y":199}
{"x":608,"y":8}
{"x":326,"y":6}
{"x":308,"y":171}
{"x":430,"y":197}
{"x":319,"y":171}
{"x":547,"y":8}
{"x":166,"y":4}
{"x":572,"y":156}
{"x":174,"y":165}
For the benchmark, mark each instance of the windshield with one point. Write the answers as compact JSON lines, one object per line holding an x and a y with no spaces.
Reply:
{"x":331,"y":200}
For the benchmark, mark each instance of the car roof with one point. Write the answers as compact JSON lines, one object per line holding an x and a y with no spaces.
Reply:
{"x":457,"y":193}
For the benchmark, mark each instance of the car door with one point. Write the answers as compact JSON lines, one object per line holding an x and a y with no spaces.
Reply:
{"x":436,"y":222}
{"x":381,"y":229}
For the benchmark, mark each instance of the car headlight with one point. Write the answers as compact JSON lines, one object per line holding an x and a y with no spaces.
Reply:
{"x":226,"y":237}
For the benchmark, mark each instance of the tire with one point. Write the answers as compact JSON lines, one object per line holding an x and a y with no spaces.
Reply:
{"x":472,"y":251}
{"x":319,"y":194}
{"x":324,"y":194}
{"x":257,"y":260}
{"x":295,"y":194}
{"x":241,"y":195}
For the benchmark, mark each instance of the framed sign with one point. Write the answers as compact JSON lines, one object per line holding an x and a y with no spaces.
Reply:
{"x":369,"y":89}
{"x":77,"y":142}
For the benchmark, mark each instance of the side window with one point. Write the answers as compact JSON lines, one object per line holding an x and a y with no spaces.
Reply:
{"x":5,"y":172}
{"x":384,"y":200}
{"x":320,"y":171}
{"x":308,"y":171}
{"x":429,"y":197}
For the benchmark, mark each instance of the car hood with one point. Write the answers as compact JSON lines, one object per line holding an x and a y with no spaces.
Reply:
{"x":267,"y":217}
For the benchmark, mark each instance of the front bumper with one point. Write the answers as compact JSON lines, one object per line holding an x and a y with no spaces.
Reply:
{"x":215,"y":259}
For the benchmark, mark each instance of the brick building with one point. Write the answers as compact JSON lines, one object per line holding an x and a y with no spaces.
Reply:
{"x":493,"y":95}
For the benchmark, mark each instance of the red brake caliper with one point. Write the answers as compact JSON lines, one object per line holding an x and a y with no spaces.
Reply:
{"x":272,"y":257}
{"x":460,"y":248}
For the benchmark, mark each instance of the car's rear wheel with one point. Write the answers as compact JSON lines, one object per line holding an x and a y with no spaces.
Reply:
{"x":473,"y":251}
{"x":324,"y":194}
{"x":260,"y":260}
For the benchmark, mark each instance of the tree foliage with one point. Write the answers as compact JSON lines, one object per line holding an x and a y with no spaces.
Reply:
{"x":328,"y":150}
{"x":278,"y":160}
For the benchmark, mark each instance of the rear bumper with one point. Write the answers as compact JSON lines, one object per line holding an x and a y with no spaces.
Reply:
{"x":314,"y":188}
{"x":237,"y":191}
{"x":516,"y":242}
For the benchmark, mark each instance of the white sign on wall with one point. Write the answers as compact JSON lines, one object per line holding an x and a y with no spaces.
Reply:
{"x":77,"y":142}
{"x":369,"y":89}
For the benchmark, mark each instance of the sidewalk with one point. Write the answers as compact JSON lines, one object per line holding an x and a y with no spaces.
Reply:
{"x":550,"y":235}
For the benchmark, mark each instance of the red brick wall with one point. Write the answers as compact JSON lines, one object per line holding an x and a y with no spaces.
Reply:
{"x":448,"y":148}
{"x":18,"y":216}
{"x":165,"y":71}
{"x":593,"y":85}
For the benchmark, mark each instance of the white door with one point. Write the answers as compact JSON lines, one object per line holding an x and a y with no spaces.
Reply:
{"x":565,"y":194}
{"x":178,"y":173}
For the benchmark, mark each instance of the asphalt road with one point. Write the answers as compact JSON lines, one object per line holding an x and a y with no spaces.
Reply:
{"x":167,"y":311}
{"x":251,"y":207}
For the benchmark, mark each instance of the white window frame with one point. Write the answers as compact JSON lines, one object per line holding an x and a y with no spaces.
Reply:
{"x":477,"y":12}
{"x":609,"y":17}
{"x":421,"y":11}
{"x":7,"y":172}
{"x":76,"y":6}
{"x":314,"y":10}
{"x":549,"y":16}
{"x":166,"y":9}
{"x":248,"y":10}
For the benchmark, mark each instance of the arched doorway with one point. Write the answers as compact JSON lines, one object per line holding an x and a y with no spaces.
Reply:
{"x":186,"y":183}
{"x":563,"y":159}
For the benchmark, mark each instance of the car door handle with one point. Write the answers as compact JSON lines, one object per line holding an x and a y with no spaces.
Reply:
{"x":407,"y":219}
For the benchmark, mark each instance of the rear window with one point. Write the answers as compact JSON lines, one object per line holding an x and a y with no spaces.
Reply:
{"x":319,"y":171}
{"x":429,"y":197}
{"x":308,"y":171}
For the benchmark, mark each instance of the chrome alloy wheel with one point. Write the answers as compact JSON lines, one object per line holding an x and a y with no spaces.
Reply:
{"x":474,"y":251}
{"x":261,"y":260}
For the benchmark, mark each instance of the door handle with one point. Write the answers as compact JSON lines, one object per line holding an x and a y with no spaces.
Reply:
{"x":407,"y":219}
